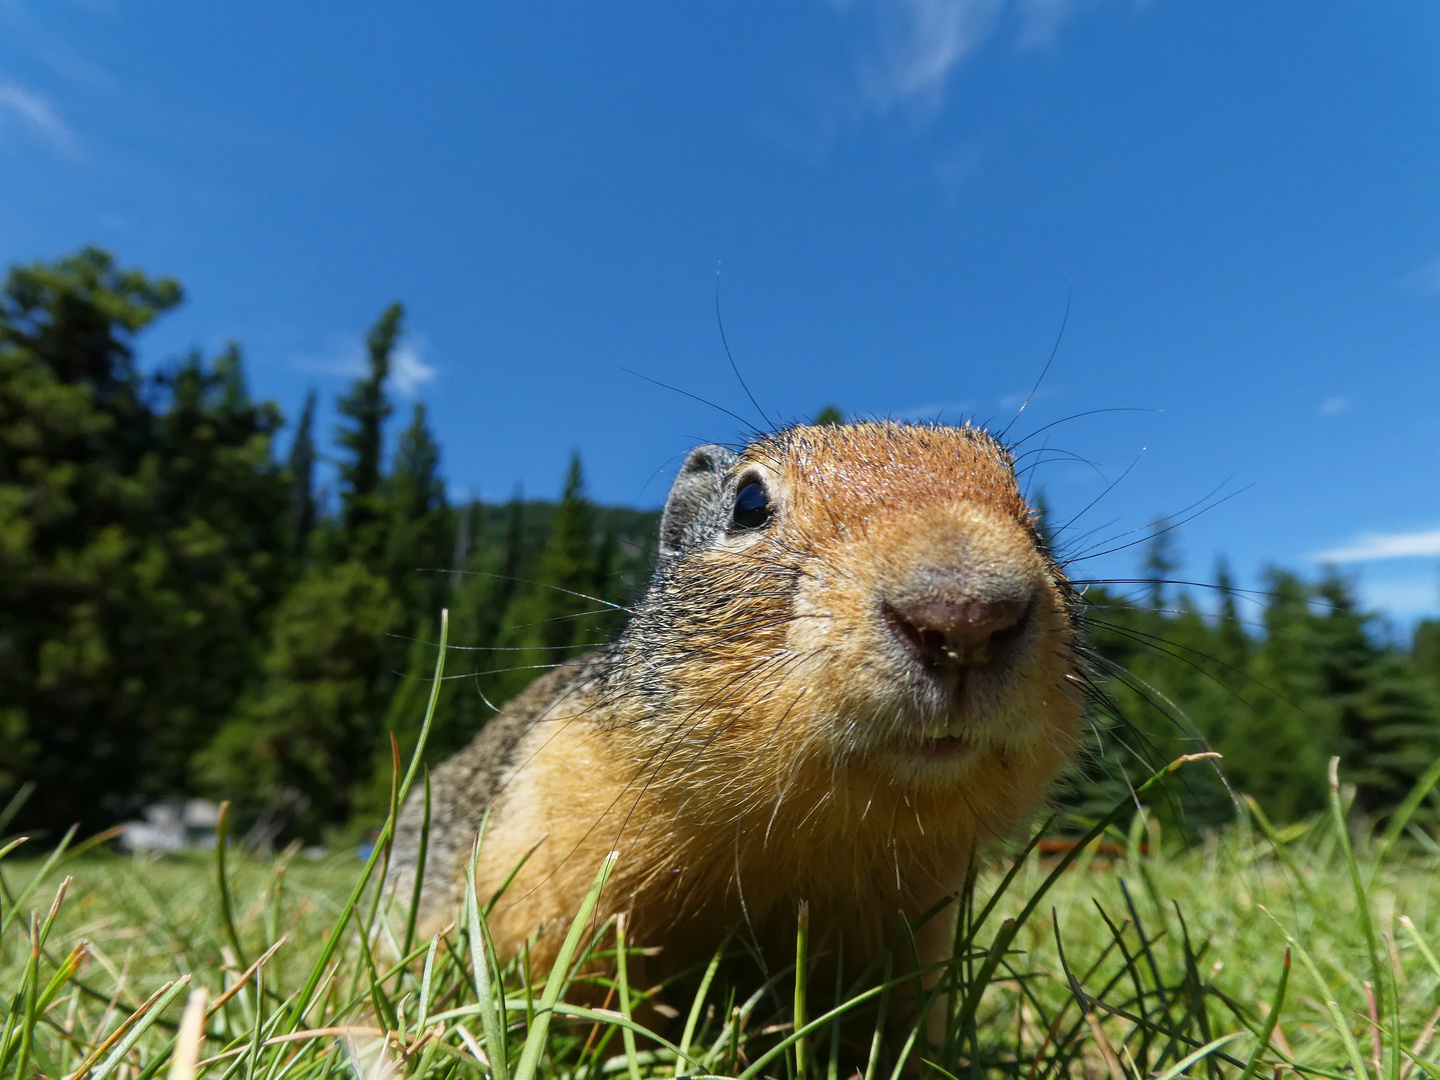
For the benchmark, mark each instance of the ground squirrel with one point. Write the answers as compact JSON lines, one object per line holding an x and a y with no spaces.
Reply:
{"x":856,"y":665}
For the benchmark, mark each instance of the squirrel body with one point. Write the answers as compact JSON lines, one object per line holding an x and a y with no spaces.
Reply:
{"x":856,"y":667}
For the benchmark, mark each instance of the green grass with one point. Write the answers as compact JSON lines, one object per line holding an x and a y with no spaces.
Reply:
{"x":1258,"y":951}
{"x":1129,"y":965}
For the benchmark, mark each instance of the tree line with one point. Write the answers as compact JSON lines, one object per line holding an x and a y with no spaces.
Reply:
{"x":184,"y":611}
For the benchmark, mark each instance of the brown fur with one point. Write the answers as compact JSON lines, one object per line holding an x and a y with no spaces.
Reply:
{"x":757,"y":736}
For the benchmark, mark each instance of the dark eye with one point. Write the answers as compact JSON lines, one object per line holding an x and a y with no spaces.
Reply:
{"x":752,"y":506}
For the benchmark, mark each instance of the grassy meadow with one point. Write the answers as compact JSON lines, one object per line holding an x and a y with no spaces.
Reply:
{"x":1251,"y":953}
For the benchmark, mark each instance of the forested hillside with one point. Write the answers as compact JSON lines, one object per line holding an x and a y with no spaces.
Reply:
{"x":184,"y":611}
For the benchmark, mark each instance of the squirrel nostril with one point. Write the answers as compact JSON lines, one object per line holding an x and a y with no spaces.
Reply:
{"x":963,"y":633}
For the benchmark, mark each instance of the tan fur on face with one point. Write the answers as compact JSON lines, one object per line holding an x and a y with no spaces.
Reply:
{"x":760,"y":735}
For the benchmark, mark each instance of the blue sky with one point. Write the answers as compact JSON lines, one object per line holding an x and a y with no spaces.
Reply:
{"x":1238,"y":201}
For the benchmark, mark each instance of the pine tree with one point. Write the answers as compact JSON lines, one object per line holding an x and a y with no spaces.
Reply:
{"x":367,"y":408}
{"x":300,"y":751}
{"x":566,"y":573}
{"x":304,"y":511}
{"x":420,"y":527}
{"x":1161,"y":560}
{"x":551,"y":616}
{"x":1234,"y":643}
{"x":1389,"y":729}
{"x":139,"y":543}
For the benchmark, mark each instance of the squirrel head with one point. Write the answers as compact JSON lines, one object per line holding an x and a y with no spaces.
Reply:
{"x":865,"y":605}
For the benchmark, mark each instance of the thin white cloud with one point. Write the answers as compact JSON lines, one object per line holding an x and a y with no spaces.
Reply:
{"x":35,"y":114}
{"x":1334,"y":406}
{"x":408,"y":371}
{"x":918,"y":43}
{"x":346,"y":358}
{"x":913,"y":47}
{"x":1371,"y":547}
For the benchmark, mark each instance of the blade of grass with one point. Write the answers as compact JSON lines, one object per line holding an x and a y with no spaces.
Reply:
{"x":1272,"y":1020}
{"x":1279,"y":846}
{"x":1195,"y":1055}
{"x":697,"y":1005}
{"x":303,"y":999}
{"x":1379,"y":972}
{"x":1337,"y":1018}
{"x":419,"y":869}
{"x":192,"y":1033}
{"x":877,"y":1035}
{"x":128,"y":1033}
{"x":607,"y":1016}
{"x":1421,"y":944}
{"x":426,"y":984}
{"x":622,"y":984}
{"x":32,"y":978}
{"x":240,"y":982}
{"x":16,"y":802}
{"x":491,"y":1013}
{"x":1403,"y":813}
{"x":19,"y":902}
{"x":802,"y":948}
{"x":558,"y":978}
{"x":222,"y":880}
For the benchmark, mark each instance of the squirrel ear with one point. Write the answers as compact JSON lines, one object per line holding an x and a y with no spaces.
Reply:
{"x":697,"y":486}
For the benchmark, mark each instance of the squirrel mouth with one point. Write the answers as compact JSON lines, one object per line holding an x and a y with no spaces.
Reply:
{"x":944,"y":746}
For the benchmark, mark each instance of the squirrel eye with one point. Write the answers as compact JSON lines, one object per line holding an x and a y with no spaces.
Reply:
{"x":752,"y":506}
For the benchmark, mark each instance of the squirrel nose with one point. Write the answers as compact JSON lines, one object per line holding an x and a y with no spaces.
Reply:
{"x":948,"y":631}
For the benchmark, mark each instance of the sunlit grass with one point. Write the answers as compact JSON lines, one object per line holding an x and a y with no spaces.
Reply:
{"x":1129,"y":964}
{"x":1252,"y":952}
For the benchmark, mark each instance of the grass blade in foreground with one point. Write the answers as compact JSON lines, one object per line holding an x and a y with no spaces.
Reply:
{"x":559,"y":974}
{"x":492,"y":1005}
{"x":306,"y":996}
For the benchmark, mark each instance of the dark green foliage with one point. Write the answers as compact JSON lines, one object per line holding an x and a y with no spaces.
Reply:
{"x":304,"y":510}
{"x":1311,"y":681}
{"x":302,"y":745}
{"x":420,"y":529}
{"x":1161,"y":561}
{"x":367,"y":408}
{"x":181,"y":613}
{"x":568,"y":567}
{"x":828,"y":415}
{"x":140,"y":528}
{"x":1426,"y":649}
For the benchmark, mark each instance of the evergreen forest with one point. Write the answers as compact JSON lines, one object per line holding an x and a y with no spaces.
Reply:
{"x":185,"y":611}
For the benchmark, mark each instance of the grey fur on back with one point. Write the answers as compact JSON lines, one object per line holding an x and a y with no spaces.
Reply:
{"x":462,"y":789}
{"x":473,"y":781}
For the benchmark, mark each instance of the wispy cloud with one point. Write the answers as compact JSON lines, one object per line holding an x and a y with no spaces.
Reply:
{"x":346,"y":358}
{"x":1334,"y":406}
{"x":38,"y":116}
{"x":1371,"y":547}
{"x":408,"y":370}
{"x":917,"y":44}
